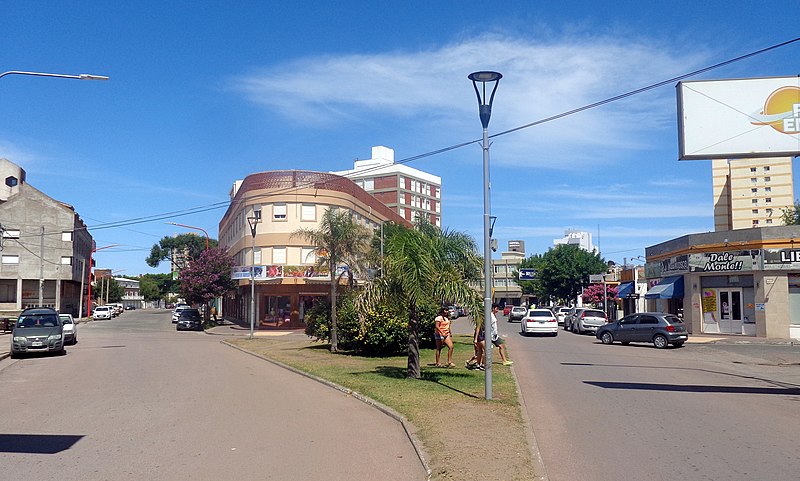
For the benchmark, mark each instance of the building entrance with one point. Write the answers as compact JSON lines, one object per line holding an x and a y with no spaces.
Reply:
{"x":730,"y":311}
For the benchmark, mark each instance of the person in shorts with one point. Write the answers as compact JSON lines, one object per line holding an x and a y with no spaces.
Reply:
{"x":497,"y":341}
{"x":443,"y":337}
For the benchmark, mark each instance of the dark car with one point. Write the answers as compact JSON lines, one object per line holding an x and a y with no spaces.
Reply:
{"x":189,"y":320}
{"x":38,"y":330}
{"x":659,"y":328}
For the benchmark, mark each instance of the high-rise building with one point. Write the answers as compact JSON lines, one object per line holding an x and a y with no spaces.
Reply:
{"x":410,"y":192}
{"x":577,"y":237}
{"x":751,"y":192}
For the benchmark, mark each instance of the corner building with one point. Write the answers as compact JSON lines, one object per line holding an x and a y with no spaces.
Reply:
{"x":287,"y":280}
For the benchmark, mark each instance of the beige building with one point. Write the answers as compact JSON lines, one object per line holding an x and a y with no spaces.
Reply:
{"x":751,"y":192}
{"x":287,"y":280}
{"x":505,"y":287}
{"x":410,"y":192}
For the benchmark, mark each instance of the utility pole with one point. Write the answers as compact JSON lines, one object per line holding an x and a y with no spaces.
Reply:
{"x":41,"y":269}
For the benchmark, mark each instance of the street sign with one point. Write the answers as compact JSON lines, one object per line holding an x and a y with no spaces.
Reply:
{"x":527,"y":274}
{"x":596,"y":278}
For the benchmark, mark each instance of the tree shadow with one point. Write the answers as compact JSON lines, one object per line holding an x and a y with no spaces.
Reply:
{"x":695,"y":388}
{"x":37,"y":443}
{"x":433,"y":376}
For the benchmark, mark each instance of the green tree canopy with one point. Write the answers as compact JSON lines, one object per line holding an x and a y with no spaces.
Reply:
{"x":424,"y":264}
{"x":791,"y":215}
{"x":565,"y":269}
{"x":339,"y":239}
{"x":180,"y":249}
{"x":207,"y":277}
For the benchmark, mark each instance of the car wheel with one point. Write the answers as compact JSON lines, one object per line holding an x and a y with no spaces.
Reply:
{"x":607,"y":338}
{"x":660,"y":341}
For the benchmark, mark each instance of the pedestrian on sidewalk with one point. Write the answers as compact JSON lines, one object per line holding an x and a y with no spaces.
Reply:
{"x":441,"y":333}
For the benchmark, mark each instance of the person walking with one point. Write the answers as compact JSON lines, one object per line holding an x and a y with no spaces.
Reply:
{"x":497,"y":341}
{"x":441,"y":333}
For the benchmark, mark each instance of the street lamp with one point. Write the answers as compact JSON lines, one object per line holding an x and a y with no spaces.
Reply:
{"x":192,"y":227}
{"x":82,"y":76}
{"x":89,"y":295}
{"x":485,"y":113}
{"x":253,"y":221}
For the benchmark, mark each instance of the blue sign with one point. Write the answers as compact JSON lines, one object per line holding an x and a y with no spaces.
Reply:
{"x":527,"y":274}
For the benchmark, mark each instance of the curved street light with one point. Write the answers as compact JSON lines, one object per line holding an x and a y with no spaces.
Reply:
{"x":82,"y":76}
{"x":485,"y":112}
{"x":192,"y":227}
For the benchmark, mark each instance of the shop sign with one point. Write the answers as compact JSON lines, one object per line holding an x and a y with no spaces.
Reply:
{"x":782,"y":259}
{"x":724,"y":261}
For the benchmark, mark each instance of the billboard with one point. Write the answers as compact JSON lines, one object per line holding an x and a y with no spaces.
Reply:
{"x":739,"y":118}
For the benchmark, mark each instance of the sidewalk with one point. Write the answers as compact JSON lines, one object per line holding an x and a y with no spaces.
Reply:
{"x":235,"y":327}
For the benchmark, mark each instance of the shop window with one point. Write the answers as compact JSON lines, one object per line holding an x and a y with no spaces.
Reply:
{"x":8,"y":290}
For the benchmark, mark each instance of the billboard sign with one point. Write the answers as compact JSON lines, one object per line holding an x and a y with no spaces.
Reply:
{"x":739,"y":118}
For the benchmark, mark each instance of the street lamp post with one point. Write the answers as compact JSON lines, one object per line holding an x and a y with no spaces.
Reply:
{"x":485,"y":113}
{"x":253,"y":221}
{"x":192,"y":227}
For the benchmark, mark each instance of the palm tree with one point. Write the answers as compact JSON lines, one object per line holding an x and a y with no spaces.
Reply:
{"x":424,"y":264}
{"x":339,"y":239}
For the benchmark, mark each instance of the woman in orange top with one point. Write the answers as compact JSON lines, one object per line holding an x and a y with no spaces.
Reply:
{"x":443,"y":337}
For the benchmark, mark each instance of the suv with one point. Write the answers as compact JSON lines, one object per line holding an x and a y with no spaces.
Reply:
{"x":517,"y":313}
{"x":37,"y":330}
{"x":657,"y":327}
{"x":189,"y":319}
{"x":588,"y":320}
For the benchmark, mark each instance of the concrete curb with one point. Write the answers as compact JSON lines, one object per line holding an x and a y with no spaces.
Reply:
{"x":415,"y":442}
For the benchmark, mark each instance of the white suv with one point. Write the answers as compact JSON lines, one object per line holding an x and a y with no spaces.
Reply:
{"x":103,"y":312}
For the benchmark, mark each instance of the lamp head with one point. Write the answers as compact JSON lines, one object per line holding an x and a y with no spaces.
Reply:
{"x":484,"y":106}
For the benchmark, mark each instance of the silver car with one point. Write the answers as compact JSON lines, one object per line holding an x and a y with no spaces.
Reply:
{"x":37,"y":330}
{"x":588,"y":320}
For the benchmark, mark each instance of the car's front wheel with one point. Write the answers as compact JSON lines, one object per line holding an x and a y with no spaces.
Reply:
{"x":607,"y":338}
{"x":660,"y":341}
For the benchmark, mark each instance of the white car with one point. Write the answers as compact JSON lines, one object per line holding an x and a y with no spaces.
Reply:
{"x":562,"y":312}
{"x":70,"y":331}
{"x":177,"y":312}
{"x":539,"y":321}
{"x":103,"y":312}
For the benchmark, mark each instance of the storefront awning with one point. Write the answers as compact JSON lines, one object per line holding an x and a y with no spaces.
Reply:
{"x":625,"y":289}
{"x":668,"y":288}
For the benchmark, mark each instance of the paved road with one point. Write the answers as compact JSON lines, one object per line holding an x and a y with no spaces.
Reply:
{"x":701,"y":412}
{"x":136,"y":400}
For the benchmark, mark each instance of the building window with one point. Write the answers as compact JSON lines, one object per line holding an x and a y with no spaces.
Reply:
{"x":279,"y":255}
{"x":308,"y":255}
{"x":257,"y":211}
{"x":257,"y":256}
{"x":753,"y":180}
{"x":755,"y":211}
{"x":754,"y":201}
{"x":755,"y":221}
{"x":10,"y":259}
{"x":754,"y":190}
{"x":752,"y":169}
{"x":66,"y":260}
{"x":768,"y":189}
{"x":769,"y":221}
{"x":768,"y":200}
{"x":279,"y":212}
{"x":402,"y":212}
{"x":766,"y":168}
{"x":66,"y":236}
{"x":309,"y":212}
{"x":769,"y":212}
{"x":11,"y":234}
{"x":767,"y":179}
{"x":369,"y":184}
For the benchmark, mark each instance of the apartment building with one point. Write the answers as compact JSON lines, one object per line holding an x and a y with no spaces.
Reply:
{"x":287,"y":280}
{"x":751,"y":192}
{"x":504,"y":281}
{"x":45,"y":248}
{"x":580,"y":238}
{"x":410,"y":192}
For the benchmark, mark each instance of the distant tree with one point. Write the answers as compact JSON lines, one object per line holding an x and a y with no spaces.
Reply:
{"x":164,"y":285}
{"x":148,"y":289}
{"x":593,"y":295}
{"x":207,"y":277}
{"x":791,"y":215}
{"x":338,"y":239}
{"x":566,"y":268}
{"x":180,"y":249}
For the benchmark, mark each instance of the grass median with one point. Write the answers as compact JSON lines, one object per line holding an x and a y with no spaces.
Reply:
{"x":446,"y":406}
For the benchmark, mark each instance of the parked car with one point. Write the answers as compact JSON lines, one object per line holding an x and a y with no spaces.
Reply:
{"x":461,"y":311}
{"x":189,"y":320}
{"x":130,"y":308}
{"x":507,"y":309}
{"x":177,"y":312}
{"x":37,"y":330}
{"x":659,"y":328}
{"x":517,"y":313}
{"x":452,"y":312}
{"x":539,"y":321}
{"x":561,"y":313}
{"x":569,"y":317}
{"x":70,"y":330}
{"x":117,"y":309}
{"x":102,"y":312}
{"x":588,"y":320}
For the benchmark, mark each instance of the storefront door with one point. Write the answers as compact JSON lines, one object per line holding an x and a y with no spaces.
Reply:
{"x":730,"y":311}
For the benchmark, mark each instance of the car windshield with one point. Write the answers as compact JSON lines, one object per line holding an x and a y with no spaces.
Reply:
{"x":37,"y":320}
{"x":66,"y":319}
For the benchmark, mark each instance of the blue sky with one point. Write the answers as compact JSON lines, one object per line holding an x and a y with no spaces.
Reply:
{"x":204,"y":93}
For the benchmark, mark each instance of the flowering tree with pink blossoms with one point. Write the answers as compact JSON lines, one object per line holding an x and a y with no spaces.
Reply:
{"x":594,"y":295}
{"x":207,"y":277}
